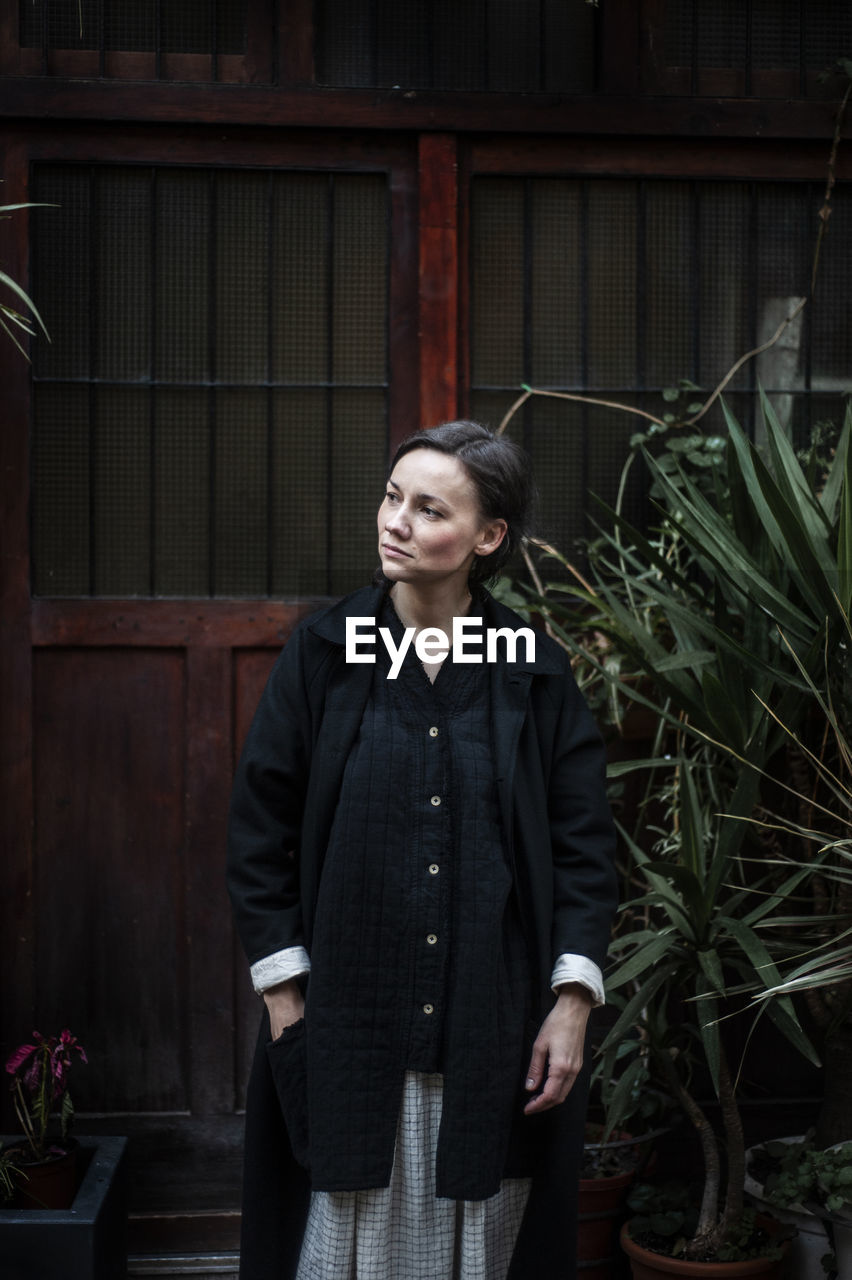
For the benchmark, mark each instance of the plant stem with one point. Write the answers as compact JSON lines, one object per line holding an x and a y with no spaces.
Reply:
{"x":735,"y":1143}
{"x":24,"y":1118}
{"x":710,"y":1150}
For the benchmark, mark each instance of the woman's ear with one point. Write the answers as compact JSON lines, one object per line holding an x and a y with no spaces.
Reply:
{"x":492,"y":535}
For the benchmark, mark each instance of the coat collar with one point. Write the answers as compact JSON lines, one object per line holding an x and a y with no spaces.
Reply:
{"x":366,"y":603}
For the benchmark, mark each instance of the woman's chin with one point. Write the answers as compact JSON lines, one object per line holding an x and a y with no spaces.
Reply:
{"x":395,"y":570}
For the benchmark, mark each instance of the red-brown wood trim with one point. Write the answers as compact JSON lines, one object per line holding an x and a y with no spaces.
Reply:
{"x":16,"y":677}
{"x":135,"y":144}
{"x":701,"y":158}
{"x":168,"y":623}
{"x":619,"y":51}
{"x":394,"y":109}
{"x":209,"y":1016}
{"x":438,"y":277}
{"x":296,"y":43}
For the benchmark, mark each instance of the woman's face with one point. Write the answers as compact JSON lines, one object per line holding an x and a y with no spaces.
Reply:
{"x":430,"y":524}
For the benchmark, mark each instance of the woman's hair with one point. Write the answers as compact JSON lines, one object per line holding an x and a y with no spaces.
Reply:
{"x":499,"y":471}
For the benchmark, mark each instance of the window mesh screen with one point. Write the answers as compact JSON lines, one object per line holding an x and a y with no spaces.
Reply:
{"x":190,"y":26}
{"x":619,"y":289}
{"x":210,"y":415}
{"x":501,"y":45}
{"x":755,"y":36}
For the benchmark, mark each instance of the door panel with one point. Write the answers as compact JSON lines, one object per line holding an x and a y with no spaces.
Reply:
{"x":191,"y":439}
{"x":109,"y":845}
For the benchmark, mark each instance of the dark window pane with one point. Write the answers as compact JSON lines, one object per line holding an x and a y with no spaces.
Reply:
{"x":190,"y":26}
{"x":220,"y":351}
{"x":618,"y":289}
{"x":498,"y":45}
{"x":796,"y":37}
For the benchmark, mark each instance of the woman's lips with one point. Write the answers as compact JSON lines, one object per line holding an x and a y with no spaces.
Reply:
{"x":395,"y":551}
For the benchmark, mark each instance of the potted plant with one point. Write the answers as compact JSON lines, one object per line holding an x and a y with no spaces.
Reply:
{"x":728,"y":607}
{"x":781,"y":1178}
{"x":690,"y":950}
{"x":63,"y":1200}
{"x":39,"y":1082}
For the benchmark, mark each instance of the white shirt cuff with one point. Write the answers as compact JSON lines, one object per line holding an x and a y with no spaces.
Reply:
{"x":292,"y":962}
{"x":570,"y":968}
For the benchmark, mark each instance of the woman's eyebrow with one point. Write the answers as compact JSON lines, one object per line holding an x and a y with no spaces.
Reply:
{"x":423,"y":497}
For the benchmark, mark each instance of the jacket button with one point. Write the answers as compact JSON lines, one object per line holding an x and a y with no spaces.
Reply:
{"x":428,"y":1008}
{"x":432,"y":938}
{"x":436,"y":800}
{"x":433,"y":868}
{"x":433,"y":732}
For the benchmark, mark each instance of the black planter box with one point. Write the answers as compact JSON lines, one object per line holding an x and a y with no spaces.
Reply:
{"x":87,"y":1241}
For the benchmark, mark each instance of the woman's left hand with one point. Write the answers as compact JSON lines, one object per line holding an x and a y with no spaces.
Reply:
{"x":557,"y":1055}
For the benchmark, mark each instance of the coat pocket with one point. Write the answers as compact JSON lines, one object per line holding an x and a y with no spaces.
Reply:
{"x":288,"y":1063}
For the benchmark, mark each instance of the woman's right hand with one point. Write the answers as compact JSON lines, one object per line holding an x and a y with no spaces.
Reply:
{"x":285,"y":1004}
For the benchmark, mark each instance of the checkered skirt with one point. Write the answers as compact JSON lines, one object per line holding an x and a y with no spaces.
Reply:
{"x":402,"y":1232}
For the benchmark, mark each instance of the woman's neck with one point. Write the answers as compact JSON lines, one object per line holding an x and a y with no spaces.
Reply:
{"x":430,"y":607}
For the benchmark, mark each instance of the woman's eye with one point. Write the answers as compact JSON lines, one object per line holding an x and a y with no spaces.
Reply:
{"x":390,"y":497}
{"x":430,"y":511}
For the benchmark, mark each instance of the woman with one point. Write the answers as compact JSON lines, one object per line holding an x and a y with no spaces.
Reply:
{"x":431,"y":842}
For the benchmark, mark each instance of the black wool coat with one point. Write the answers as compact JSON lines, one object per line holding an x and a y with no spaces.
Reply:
{"x":549,"y":767}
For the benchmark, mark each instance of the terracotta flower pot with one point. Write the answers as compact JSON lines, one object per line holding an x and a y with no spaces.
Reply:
{"x":48,"y":1184}
{"x":601,"y":1202}
{"x":646,"y":1265}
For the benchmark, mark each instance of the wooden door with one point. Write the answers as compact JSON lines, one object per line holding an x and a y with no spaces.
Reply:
{"x":191,"y":464}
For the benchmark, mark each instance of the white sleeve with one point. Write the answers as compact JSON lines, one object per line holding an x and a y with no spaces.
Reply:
{"x":292,"y":962}
{"x":571,"y":968}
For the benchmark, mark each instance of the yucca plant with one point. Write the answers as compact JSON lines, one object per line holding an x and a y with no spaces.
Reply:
{"x":727,"y":609}
{"x":693,"y":949}
{"x":809,"y":827}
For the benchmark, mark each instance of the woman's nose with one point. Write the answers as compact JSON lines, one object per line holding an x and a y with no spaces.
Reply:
{"x":397,"y":522}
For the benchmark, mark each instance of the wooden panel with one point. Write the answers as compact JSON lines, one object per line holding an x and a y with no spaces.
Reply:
{"x":700,"y":158}
{"x":438,"y":276}
{"x":239,"y":148}
{"x":409,"y":110}
{"x":196,"y":623}
{"x":109,"y":883}
{"x":179,"y":1165}
{"x":251,"y":670}
{"x":210,"y":1001}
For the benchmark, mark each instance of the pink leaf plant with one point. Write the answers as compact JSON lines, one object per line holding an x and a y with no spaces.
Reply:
{"x":39,"y":1074}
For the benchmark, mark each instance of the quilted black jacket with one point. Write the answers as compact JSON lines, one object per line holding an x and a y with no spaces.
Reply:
{"x":559,"y":834}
